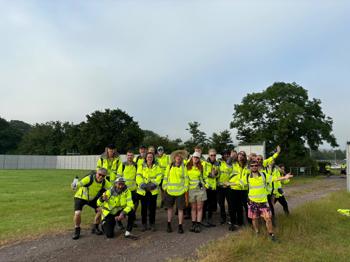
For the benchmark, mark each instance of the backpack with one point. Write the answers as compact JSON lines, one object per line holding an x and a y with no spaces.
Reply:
{"x":92,"y":175}
{"x":124,"y":165}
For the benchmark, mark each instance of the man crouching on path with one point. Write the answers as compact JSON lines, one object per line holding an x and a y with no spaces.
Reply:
{"x":258,"y":205}
{"x":116,"y":204}
{"x":88,"y":191}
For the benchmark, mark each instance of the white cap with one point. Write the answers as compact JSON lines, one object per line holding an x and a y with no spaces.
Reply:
{"x":196,"y":154}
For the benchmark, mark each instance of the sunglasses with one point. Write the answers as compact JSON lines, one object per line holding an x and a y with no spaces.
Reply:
{"x":212,"y":155}
{"x":253,"y":165}
{"x":102,"y":175}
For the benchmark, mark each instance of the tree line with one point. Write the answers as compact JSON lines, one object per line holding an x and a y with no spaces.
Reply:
{"x":281,"y":115}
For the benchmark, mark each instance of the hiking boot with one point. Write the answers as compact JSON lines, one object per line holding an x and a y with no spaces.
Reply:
{"x":169,"y":229}
{"x":273,"y":238}
{"x":232,"y":228}
{"x":152,"y":227}
{"x":180,"y":230}
{"x":210,"y":223}
{"x":193,"y":227}
{"x":197,"y":228}
{"x":76,"y":234}
{"x":144,"y":227}
{"x":96,"y":230}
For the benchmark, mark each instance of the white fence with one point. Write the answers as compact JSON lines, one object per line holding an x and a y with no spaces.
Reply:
{"x":47,"y":162}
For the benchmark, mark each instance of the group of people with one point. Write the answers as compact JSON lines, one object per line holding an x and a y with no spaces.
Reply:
{"x":249,"y":185}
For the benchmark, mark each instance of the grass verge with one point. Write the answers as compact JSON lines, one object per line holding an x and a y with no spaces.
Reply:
{"x":314,"y":232}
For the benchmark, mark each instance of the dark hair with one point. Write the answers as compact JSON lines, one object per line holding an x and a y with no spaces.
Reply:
{"x":154,"y":159}
{"x":190,"y":164}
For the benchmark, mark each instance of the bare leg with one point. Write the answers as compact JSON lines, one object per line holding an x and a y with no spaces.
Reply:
{"x":170,"y":214}
{"x":97,"y":218}
{"x":194,"y":211}
{"x":181,"y":216}
{"x":77,"y":218}
{"x":255,"y":222}
{"x":199,"y":211}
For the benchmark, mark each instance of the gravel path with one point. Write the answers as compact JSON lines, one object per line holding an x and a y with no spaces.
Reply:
{"x":151,"y":246}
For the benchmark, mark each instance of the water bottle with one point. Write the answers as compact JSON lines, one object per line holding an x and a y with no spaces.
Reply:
{"x":75,"y":182}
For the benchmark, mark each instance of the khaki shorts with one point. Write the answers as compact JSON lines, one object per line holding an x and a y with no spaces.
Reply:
{"x":197,"y":195}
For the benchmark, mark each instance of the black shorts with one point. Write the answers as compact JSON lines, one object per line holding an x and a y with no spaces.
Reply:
{"x":80,"y":203}
{"x":169,"y":201}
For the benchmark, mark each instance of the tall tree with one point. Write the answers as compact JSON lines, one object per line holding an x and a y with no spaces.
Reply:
{"x":110,"y":126}
{"x":198,"y":137}
{"x":283,"y":114}
{"x":152,"y":138}
{"x":11,"y":134}
{"x":221,"y":141}
{"x":43,"y":139}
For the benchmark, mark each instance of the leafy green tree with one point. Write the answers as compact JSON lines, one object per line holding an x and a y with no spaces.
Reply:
{"x":43,"y":139}
{"x":11,"y":134}
{"x":283,"y":114}
{"x":221,"y":141}
{"x":152,"y":138}
{"x":198,"y":137}
{"x":110,"y":126}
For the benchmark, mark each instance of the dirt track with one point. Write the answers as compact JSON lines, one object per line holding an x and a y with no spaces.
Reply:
{"x":152,"y":246}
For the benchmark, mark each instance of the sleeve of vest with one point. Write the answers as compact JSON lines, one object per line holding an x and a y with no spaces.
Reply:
{"x":129,"y":203}
{"x":269,"y":160}
{"x":84,"y":181}
{"x":120,"y":171}
{"x":187,"y":181}
{"x":165,"y":178}
{"x":159,"y":176}
{"x":99,"y":164}
{"x":139,"y":177}
{"x":100,"y":202}
{"x":108,"y":184}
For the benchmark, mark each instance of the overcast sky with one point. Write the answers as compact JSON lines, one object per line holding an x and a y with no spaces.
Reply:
{"x":167,"y":63}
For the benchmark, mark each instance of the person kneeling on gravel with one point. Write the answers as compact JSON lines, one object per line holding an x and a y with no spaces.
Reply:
{"x":116,"y":204}
{"x":89,"y":189}
{"x":258,"y":205}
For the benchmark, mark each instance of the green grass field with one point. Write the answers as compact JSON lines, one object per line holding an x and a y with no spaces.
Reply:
{"x":314,"y":232}
{"x":34,"y":202}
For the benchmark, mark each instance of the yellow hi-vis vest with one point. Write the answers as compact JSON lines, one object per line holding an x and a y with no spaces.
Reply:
{"x":139,"y":160}
{"x":128,"y":171}
{"x":163,"y":161}
{"x":278,"y":184}
{"x":111,"y":165}
{"x":147,"y":175}
{"x":225,"y":173}
{"x":116,"y":202}
{"x":269,"y":160}
{"x":195,"y":177}
{"x":257,"y":191}
{"x":239,"y":177}
{"x":88,"y":188}
{"x":208,"y":167}
{"x":175,"y":181}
